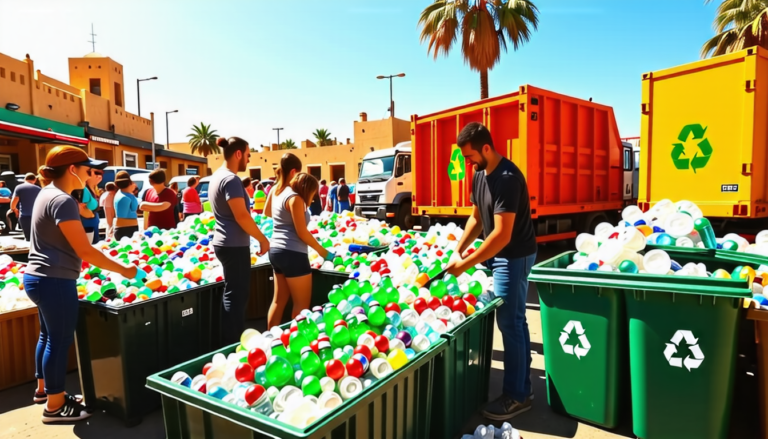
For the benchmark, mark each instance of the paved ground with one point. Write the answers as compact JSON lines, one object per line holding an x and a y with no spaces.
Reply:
{"x":20,"y":419}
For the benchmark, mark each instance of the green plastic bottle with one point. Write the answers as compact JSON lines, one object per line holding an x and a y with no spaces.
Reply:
{"x":279,"y":371}
{"x":340,"y":336}
{"x":310,"y":361}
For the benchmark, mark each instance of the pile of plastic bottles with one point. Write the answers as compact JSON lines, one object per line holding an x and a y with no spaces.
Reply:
{"x":347,"y":237}
{"x":172,"y":261}
{"x":490,"y":432}
{"x":332,"y":353}
{"x":12,"y":295}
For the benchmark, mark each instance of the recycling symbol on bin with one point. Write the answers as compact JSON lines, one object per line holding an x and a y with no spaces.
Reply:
{"x":701,"y":157}
{"x":582,"y":348}
{"x":688,"y":362}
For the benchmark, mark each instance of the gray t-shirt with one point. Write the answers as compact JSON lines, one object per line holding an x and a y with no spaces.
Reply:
{"x":284,"y":234}
{"x":27,"y":194}
{"x":50,"y":254}
{"x":224,"y":186}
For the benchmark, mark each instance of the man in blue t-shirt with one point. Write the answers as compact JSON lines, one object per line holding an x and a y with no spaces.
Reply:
{"x":5,"y":207}
{"x":502,"y":212}
{"x":23,"y":199}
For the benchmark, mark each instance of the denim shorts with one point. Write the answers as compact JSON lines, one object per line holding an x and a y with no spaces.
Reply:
{"x":289,"y":263}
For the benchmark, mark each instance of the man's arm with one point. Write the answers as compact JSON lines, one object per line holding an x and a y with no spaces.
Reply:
{"x":14,"y":204}
{"x":471,"y":231}
{"x":154,"y":207}
{"x":245,"y":221}
{"x":503,"y":223}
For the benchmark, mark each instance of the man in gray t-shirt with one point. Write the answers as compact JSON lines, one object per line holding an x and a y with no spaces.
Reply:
{"x":232,"y":239}
{"x":225,"y":185}
{"x":23,"y":200}
{"x":50,"y":254}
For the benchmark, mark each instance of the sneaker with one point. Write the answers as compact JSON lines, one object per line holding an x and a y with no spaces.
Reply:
{"x":42,"y":398}
{"x":504,"y":408}
{"x":69,"y":412}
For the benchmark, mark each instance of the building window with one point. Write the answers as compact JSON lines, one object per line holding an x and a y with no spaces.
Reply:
{"x":181,"y":169}
{"x":6,"y":164}
{"x":118,"y":95}
{"x":21,"y":79}
{"x":192,"y":170}
{"x":255,"y":174}
{"x":95,"y":86}
{"x":130,"y":159}
{"x":2,"y":73}
{"x":13,"y":76}
{"x":315,"y":171}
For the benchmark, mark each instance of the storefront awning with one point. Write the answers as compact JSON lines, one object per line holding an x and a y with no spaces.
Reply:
{"x":39,"y":129}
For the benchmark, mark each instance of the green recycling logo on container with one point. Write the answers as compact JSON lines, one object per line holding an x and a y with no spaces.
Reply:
{"x":457,"y":166}
{"x":697,"y":134}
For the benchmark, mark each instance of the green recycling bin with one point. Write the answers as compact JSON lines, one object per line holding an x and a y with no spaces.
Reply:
{"x":585,"y":343}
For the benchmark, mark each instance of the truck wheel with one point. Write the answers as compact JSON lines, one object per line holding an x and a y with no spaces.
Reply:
{"x":404,"y":218}
{"x":590,"y":221}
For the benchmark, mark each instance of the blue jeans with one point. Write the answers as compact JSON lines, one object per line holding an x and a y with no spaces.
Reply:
{"x":510,"y":280}
{"x":236,"y":264}
{"x":57,"y":305}
{"x":340,"y":206}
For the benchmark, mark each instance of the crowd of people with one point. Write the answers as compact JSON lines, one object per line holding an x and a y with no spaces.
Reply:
{"x":61,"y":229}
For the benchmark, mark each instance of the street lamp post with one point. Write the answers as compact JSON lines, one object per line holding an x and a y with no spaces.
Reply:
{"x":138,"y":90}
{"x":391,"y":101}
{"x":278,"y":136}
{"x":167,"y":137}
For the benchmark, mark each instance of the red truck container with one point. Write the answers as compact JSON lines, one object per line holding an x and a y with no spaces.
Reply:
{"x":578,"y":171}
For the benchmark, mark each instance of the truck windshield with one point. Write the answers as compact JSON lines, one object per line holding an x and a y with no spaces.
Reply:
{"x":378,"y":167}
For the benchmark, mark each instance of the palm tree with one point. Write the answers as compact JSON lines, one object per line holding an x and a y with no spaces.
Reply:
{"x":485,"y":27}
{"x":322,"y":136}
{"x":288,"y":144}
{"x":739,"y":24}
{"x":202,"y":140}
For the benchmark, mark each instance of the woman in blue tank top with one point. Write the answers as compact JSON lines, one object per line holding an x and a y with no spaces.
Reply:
{"x":90,"y":205}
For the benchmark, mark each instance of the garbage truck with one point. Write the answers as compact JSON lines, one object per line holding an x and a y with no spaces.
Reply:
{"x":579,"y":172}
{"x":384,"y":186}
{"x":704,"y":138}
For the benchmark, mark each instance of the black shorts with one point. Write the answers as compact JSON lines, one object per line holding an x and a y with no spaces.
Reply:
{"x":289,"y":263}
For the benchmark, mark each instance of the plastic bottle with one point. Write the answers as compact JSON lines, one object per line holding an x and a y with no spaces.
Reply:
{"x":657,"y":262}
{"x":586,"y":243}
{"x":707,"y":233}
{"x":349,"y":387}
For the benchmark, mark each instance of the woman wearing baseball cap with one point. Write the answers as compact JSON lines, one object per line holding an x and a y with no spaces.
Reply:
{"x":57,"y":246}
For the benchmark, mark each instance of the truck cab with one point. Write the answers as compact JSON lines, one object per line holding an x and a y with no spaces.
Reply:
{"x":384,"y":186}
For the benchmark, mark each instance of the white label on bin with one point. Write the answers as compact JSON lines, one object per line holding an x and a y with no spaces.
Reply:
{"x":186,"y":312}
{"x":581,"y":349}
{"x":692,"y":342}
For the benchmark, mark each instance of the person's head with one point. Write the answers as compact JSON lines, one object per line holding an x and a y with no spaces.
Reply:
{"x":192,"y":182}
{"x":290,"y":165}
{"x":157,"y":178}
{"x":259,"y":187}
{"x":110,"y":187}
{"x":322,"y":182}
{"x":43,"y":181}
{"x":174,"y":186}
{"x":305,"y":185}
{"x":30,"y":178}
{"x":246,"y":182}
{"x":69,"y":167}
{"x":2,"y":183}
{"x":333,"y":183}
{"x":476,"y":145}
{"x":236,"y":153}
{"x":123,"y":182}
{"x":95,"y":178}
{"x":342,"y":181}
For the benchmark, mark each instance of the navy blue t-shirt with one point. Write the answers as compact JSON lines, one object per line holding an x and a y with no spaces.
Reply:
{"x":505,"y":191}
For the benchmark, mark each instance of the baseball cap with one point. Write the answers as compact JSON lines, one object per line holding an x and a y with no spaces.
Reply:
{"x":123,"y":176}
{"x":64,"y":155}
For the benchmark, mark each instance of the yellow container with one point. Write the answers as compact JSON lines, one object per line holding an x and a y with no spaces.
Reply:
{"x":704,"y":135}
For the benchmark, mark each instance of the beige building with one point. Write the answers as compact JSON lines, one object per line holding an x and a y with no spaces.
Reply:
{"x":326,"y":162}
{"x":38,"y":112}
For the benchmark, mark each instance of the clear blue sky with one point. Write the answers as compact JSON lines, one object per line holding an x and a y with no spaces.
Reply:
{"x":249,"y":66}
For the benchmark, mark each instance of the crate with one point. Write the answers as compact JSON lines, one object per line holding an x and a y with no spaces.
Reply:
{"x":118,"y":347}
{"x":463,"y":373}
{"x":19,"y":333}
{"x":396,"y":407}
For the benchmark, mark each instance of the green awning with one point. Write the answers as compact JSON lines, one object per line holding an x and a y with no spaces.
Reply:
{"x":40,"y":123}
